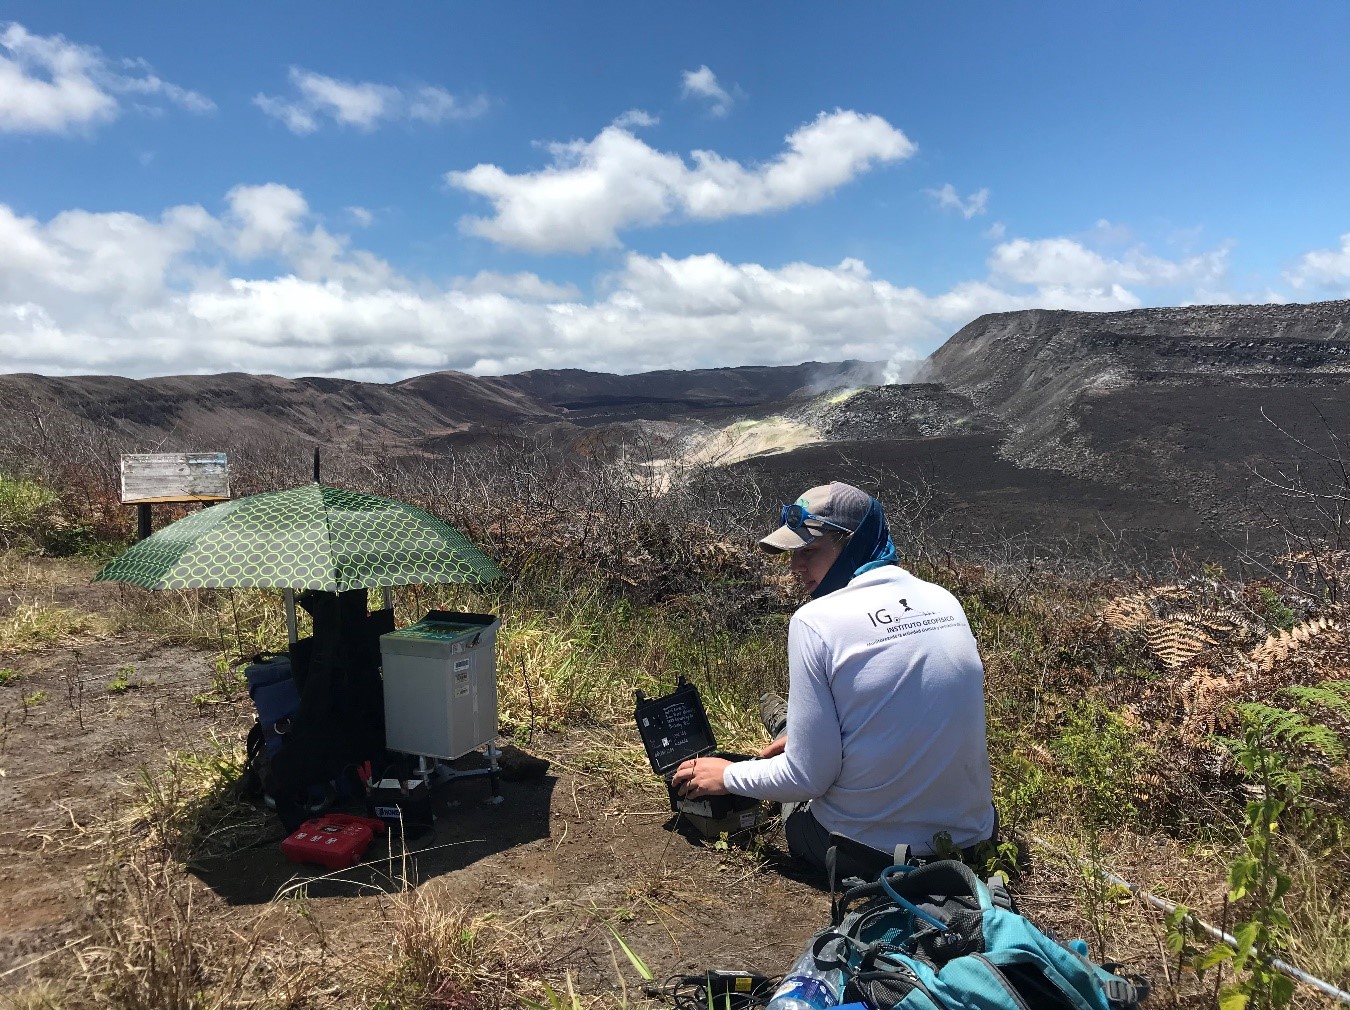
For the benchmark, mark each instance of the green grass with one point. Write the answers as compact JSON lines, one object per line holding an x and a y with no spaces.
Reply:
{"x":8,"y":676}
{"x":24,"y":508}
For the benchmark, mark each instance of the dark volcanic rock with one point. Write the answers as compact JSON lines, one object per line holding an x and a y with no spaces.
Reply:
{"x":1183,"y":399}
{"x":225,"y":408}
{"x":1163,"y":424}
{"x":956,"y":488}
{"x":921,"y":410}
{"x":1006,"y":361}
{"x":1030,"y":367}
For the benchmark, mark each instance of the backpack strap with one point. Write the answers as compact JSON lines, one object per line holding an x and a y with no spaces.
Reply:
{"x":903,"y":902}
{"x":831,"y":860}
{"x":857,"y":859}
{"x":1124,"y":991}
{"x":1120,"y":992}
{"x":999,"y":893}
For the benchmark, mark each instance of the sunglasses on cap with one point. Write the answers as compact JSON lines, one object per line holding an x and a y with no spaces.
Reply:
{"x":794,"y":517}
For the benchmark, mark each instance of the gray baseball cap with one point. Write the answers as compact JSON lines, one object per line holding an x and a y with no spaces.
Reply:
{"x":831,"y":506}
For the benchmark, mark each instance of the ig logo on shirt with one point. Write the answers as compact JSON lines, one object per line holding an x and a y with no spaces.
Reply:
{"x":883,"y":616}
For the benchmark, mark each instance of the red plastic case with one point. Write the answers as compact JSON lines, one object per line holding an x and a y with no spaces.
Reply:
{"x":334,"y":841}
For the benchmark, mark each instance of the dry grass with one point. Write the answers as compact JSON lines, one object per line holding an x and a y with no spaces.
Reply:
{"x":154,"y":949}
{"x":237,"y":623}
{"x":434,"y":953}
{"x":32,"y":572}
{"x":1321,"y":918}
{"x":31,"y":625}
{"x":35,"y":612}
{"x":159,"y":941}
{"x":37,"y":996}
{"x":190,"y":808}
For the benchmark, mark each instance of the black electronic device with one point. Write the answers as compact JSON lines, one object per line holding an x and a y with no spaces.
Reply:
{"x":675,"y":728}
{"x":403,"y":804}
{"x":718,"y":988}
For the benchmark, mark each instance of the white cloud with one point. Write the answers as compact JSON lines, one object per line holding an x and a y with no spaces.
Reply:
{"x":297,"y":118}
{"x":1062,"y":273}
{"x":362,"y":104}
{"x":1224,"y":296}
{"x":51,"y":85}
{"x":436,"y":105}
{"x":635,"y":118}
{"x":1104,"y":233}
{"x":361,"y":217}
{"x":267,"y":218}
{"x":526,"y":286}
{"x":190,"y":291}
{"x":1065,"y":262}
{"x":948,"y":199}
{"x":151,"y":85}
{"x":595,"y":188}
{"x":996,"y":231}
{"x":702,"y":84}
{"x":1324,"y":268}
{"x":261,"y":286}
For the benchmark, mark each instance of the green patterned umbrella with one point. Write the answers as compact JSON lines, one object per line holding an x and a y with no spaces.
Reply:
{"x":311,"y":537}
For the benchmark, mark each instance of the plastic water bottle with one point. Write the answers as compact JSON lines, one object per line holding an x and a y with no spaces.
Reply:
{"x":805,"y":987}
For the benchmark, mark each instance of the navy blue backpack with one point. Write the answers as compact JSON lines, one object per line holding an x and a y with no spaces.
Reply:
{"x":936,"y":937}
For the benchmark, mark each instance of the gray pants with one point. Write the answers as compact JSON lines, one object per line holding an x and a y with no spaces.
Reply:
{"x":806,"y":839}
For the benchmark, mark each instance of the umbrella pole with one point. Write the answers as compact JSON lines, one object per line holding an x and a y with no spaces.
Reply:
{"x":292,"y":631}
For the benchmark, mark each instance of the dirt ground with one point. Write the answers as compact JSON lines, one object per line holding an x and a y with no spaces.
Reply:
{"x":574,"y":837}
{"x":589,"y":843}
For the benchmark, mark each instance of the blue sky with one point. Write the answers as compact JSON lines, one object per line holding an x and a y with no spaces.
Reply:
{"x":309,"y":188}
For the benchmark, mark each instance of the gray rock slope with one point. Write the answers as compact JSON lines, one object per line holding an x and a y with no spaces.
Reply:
{"x":1173,"y":419}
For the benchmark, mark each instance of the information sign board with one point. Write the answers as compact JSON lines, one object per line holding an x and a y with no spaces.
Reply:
{"x":148,"y":478}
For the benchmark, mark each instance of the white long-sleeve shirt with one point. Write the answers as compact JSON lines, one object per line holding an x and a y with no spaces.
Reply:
{"x":885,"y":722}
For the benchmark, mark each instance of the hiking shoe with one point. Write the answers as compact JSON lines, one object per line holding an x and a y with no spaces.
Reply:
{"x":773,"y":713}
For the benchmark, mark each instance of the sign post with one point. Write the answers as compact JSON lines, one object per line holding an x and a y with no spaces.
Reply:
{"x":172,"y":478}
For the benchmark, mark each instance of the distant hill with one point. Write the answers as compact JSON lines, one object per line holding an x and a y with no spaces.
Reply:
{"x":423,"y":410}
{"x":600,"y":397}
{"x":1154,"y":426}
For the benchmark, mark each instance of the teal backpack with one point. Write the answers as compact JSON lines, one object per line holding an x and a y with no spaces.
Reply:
{"x":935,"y":937}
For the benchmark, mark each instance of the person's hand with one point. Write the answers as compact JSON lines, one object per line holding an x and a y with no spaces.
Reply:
{"x":775,"y":748}
{"x":700,"y":777}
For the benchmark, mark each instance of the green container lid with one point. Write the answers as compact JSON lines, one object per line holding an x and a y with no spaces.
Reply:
{"x":435,"y":631}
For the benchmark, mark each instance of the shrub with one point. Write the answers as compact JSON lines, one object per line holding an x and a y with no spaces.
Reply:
{"x":1277,"y":613}
{"x":26,"y":510}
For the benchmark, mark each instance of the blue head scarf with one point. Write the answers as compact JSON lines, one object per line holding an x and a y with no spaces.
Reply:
{"x":869,"y":547}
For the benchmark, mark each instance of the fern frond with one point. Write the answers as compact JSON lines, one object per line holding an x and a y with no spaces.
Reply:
{"x":1332,"y":694}
{"x":1287,"y":728}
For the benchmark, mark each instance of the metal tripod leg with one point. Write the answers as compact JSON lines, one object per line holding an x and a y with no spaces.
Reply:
{"x":494,"y":774}
{"x":492,"y":771}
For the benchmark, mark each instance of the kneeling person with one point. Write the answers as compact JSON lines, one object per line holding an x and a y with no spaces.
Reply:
{"x":884,"y":736}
